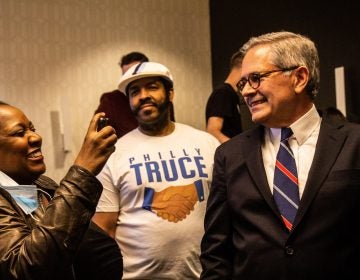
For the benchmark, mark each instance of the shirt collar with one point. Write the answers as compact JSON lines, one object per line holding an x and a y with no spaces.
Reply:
{"x":5,"y":180}
{"x":302,"y":128}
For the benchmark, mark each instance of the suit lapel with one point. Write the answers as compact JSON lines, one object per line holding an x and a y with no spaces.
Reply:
{"x":328,"y":147}
{"x":254,"y":162}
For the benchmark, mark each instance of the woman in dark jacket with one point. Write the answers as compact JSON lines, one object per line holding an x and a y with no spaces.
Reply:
{"x":42,"y":225}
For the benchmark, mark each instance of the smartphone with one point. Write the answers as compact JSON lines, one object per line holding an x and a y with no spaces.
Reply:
{"x":102,"y":123}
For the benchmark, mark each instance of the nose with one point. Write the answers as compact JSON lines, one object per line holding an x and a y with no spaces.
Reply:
{"x":247,"y":90}
{"x":34,"y":139}
{"x":144,"y":93}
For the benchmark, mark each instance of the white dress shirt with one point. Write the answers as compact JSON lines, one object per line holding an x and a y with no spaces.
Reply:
{"x":302,"y":143}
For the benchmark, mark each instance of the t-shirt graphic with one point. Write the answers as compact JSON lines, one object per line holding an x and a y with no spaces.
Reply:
{"x":171,"y":203}
{"x":174,"y":203}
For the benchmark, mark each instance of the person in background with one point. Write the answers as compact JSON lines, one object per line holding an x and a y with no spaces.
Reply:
{"x":115,"y":104}
{"x":223,"y":118}
{"x":42,"y":225}
{"x":156,"y":183}
{"x":335,"y":113}
{"x":285,"y":194}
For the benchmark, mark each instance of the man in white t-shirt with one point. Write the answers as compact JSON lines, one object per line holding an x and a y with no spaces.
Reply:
{"x":156,"y":183}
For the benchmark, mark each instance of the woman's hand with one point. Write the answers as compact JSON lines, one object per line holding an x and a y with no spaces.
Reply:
{"x":97,"y":146}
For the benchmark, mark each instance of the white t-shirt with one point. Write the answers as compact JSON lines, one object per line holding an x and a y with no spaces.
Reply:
{"x":150,"y":174}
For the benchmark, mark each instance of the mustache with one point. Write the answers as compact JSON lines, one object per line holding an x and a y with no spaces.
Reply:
{"x":143,"y":102}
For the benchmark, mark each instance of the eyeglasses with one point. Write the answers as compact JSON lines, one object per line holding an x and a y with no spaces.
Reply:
{"x":254,"y":79}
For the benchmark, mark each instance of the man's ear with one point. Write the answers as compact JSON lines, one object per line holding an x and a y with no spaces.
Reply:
{"x":171,"y":94}
{"x":301,"y":79}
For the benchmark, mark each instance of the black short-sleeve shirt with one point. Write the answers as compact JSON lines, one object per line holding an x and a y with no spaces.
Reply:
{"x":224,"y":102}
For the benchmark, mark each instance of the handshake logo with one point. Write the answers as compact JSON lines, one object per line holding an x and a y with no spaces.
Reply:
{"x":175,"y":202}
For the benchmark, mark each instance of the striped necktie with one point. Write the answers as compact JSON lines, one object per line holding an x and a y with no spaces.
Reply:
{"x":286,"y":188}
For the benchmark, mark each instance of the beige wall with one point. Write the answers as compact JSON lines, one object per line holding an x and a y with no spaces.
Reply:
{"x":60,"y":55}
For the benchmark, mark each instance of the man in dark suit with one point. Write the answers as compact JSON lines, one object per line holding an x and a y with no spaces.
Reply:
{"x":248,"y":233}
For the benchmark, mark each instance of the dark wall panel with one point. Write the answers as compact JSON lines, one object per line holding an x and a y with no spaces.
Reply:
{"x":334,"y":28}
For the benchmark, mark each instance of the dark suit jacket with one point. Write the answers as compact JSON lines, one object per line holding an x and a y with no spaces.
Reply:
{"x":244,"y":235}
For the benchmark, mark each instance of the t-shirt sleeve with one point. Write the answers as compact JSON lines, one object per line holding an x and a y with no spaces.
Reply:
{"x":109,"y":199}
{"x":219,"y":104}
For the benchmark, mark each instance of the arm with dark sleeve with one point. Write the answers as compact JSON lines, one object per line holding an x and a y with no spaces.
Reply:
{"x":218,"y":108}
{"x":49,"y":248}
{"x":99,"y":256}
{"x":216,"y":258}
{"x":219,"y":104}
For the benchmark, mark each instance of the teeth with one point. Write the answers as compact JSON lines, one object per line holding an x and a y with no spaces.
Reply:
{"x":256,"y":102}
{"x":35,"y":154}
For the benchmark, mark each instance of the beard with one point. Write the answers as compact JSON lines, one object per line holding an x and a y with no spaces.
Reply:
{"x":160,"y":121}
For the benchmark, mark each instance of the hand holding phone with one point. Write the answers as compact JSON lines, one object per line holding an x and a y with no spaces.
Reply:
{"x":102,"y":123}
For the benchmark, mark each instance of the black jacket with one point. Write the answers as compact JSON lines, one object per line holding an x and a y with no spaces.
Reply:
{"x":45,"y":246}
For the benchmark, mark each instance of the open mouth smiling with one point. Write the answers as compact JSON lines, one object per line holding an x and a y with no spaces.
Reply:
{"x":35,"y":154}
{"x":255,"y":102}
